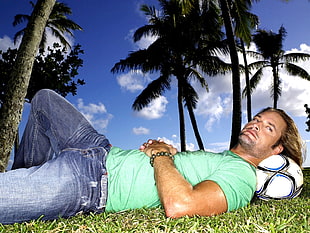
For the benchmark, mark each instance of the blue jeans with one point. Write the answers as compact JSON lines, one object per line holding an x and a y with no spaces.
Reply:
{"x":59,"y":169}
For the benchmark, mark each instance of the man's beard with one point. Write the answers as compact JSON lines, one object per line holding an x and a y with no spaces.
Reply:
{"x":246,"y":142}
{"x":251,"y":147}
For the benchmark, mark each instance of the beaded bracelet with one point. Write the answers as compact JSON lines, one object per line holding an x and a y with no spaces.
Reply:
{"x":159,"y":154}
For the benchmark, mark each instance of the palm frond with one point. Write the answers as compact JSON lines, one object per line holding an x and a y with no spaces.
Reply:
{"x":193,"y":73}
{"x":190,"y":95}
{"x":135,"y":60}
{"x":18,"y":19}
{"x":146,"y":30}
{"x":276,"y":89}
{"x":255,"y":55}
{"x":259,"y":64}
{"x":245,"y":20}
{"x":185,"y":5}
{"x":18,"y":35}
{"x":58,"y":35}
{"x":268,"y":42}
{"x":149,"y":11}
{"x":154,"y":89}
{"x":213,"y":65}
{"x":64,"y":25}
{"x":57,"y":22}
{"x":254,"y":81}
{"x":296,"y":57}
{"x":295,"y":70}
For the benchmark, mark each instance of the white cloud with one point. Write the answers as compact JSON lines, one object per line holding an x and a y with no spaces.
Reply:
{"x":218,"y":146}
{"x":133,"y":81}
{"x":96,"y":114}
{"x":216,"y":103}
{"x":143,"y":43}
{"x":140,"y":131}
{"x":6,"y":42}
{"x":303,"y":48}
{"x":91,"y":108}
{"x":177,"y":145}
{"x":295,"y":93}
{"x":155,"y":109}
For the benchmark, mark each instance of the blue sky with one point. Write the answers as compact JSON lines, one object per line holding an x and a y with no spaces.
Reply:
{"x":106,"y":98}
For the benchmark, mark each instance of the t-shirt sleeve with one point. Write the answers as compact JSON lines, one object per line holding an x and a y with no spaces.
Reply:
{"x":238,"y":182}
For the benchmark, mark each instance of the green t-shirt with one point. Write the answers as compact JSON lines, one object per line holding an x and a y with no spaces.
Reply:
{"x":131,"y":181}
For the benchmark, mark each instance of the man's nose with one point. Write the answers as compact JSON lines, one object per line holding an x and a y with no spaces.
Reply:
{"x":255,"y":126}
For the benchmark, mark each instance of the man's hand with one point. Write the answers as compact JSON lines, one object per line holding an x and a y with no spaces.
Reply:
{"x":155,"y":146}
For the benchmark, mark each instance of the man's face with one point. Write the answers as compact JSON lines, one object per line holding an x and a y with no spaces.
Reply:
{"x":259,"y":135}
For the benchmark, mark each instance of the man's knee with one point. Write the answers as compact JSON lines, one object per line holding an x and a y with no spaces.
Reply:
{"x":43,"y":92}
{"x":44,"y":96}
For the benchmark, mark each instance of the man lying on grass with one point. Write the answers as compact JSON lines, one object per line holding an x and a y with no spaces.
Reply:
{"x":64,"y":167}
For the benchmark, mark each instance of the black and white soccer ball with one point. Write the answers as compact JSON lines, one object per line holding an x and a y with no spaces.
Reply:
{"x":278,"y":177}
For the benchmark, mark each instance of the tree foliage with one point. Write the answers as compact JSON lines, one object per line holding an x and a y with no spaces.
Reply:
{"x":58,"y":24}
{"x":53,"y":69}
{"x":271,"y":55}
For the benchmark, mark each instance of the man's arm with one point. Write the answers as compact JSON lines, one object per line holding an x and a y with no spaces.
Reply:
{"x":177,"y":195}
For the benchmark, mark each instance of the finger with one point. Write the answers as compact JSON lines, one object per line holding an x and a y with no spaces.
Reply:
{"x":150,"y":141}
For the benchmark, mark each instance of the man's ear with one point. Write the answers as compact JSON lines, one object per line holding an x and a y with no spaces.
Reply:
{"x":278,"y":149}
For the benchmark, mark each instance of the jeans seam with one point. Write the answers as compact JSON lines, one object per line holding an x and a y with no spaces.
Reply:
{"x":86,"y":152}
{"x":34,"y":137}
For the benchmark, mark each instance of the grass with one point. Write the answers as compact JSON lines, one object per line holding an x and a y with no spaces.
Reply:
{"x":260,"y":216}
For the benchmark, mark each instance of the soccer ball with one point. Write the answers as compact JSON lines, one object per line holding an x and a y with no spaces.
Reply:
{"x":278,"y":177}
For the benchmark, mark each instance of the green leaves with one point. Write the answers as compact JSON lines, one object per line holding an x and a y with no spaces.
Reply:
{"x":53,"y":69}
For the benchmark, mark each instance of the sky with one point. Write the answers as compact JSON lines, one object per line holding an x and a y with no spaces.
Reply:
{"x":106,"y":99}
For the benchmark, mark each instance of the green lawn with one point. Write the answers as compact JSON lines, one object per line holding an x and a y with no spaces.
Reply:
{"x":260,"y":216}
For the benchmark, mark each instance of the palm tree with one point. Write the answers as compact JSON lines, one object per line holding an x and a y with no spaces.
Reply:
{"x":269,"y":45}
{"x":58,"y":23}
{"x":245,"y":22}
{"x":237,"y":22}
{"x":236,"y":113}
{"x":181,"y":46}
{"x":17,"y":87}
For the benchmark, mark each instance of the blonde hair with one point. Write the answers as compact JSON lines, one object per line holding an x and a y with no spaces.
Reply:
{"x":290,"y":138}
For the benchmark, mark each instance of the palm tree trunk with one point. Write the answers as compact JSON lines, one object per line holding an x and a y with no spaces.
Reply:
{"x":181,"y":117}
{"x":17,"y":87}
{"x":236,"y":114}
{"x":275,"y":87}
{"x":194,"y":124}
{"x":247,"y":81}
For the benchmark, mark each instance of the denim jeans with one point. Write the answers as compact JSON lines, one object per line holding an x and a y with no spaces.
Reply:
{"x":59,"y":169}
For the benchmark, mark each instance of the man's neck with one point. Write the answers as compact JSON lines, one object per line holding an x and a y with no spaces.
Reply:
{"x":245,"y":155}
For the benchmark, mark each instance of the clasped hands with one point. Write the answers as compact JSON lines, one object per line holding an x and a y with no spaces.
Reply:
{"x":154,"y":146}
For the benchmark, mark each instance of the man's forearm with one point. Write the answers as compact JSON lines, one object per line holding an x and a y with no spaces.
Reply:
{"x":173,"y":189}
